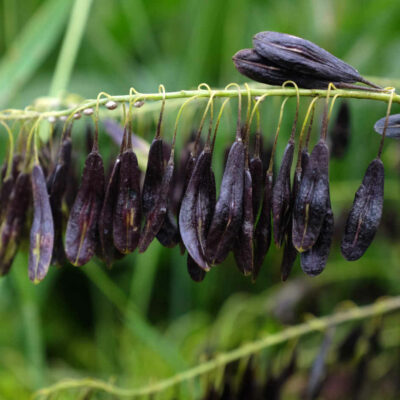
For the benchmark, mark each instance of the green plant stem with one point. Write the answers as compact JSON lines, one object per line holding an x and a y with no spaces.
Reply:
{"x":72,"y":39}
{"x":315,"y":325}
{"x":182,"y":94}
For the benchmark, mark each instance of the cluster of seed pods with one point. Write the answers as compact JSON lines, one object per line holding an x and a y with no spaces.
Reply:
{"x":176,"y":202}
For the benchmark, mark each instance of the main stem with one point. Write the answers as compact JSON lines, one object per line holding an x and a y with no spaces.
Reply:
{"x":318,"y":324}
{"x":13,"y":114}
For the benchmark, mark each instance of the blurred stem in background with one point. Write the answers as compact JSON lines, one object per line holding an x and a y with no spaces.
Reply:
{"x":69,"y":50}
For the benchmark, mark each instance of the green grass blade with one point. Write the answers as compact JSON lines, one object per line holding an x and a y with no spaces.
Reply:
{"x":31,"y":47}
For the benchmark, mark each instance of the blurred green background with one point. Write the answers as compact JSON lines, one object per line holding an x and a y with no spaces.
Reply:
{"x":145,"y":319}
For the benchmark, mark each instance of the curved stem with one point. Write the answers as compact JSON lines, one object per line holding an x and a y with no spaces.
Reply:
{"x":315,"y":325}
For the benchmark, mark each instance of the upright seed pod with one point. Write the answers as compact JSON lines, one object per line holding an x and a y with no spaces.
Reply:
{"x":156,"y":187}
{"x":311,"y":202}
{"x":227,"y":217}
{"x":304,"y":57}
{"x":127,"y":213}
{"x":82,"y":227}
{"x":340,"y":132}
{"x":42,"y":230}
{"x":57,"y":184}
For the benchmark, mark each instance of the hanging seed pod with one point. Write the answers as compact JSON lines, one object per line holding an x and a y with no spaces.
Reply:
{"x":11,"y":227}
{"x":7,"y":184}
{"x":305,"y":57}
{"x":127,"y":213}
{"x":310,"y":205}
{"x":229,"y":208}
{"x":243,"y":249}
{"x":256,"y":171}
{"x":340,"y":133}
{"x":195,"y":272}
{"x":57,"y":185}
{"x":197,"y":208}
{"x":281,"y":196}
{"x":252,"y":65}
{"x":81,"y":234}
{"x":365,"y":214}
{"x":156,"y":187}
{"x":262,"y":234}
{"x":169,"y":235}
{"x":313,"y":261}
{"x":109,"y":251}
{"x":393,"y":126}
{"x":289,"y":255}
{"x":42,"y":230}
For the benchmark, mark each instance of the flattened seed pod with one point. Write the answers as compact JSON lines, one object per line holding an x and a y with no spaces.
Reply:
{"x":393,"y":128}
{"x":256,"y":171}
{"x":251,"y":64}
{"x":197,"y":208}
{"x":365,"y":214}
{"x":11,"y":227}
{"x":262,"y":234}
{"x":313,"y":261}
{"x":155,"y":201}
{"x":195,"y":271}
{"x":289,"y":256}
{"x":42,"y":230}
{"x":127,"y":213}
{"x":304,"y":57}
{"x":81,"y":234}
{"x":281,"y":197}
{"x":228,"y":213}
{"x":243,"y":248}
{"x":110,"y":253}
{"x":57,"y":185}
{"x":340,"y":132}
{"x":169,"y":235}
{"x":310,"y":204}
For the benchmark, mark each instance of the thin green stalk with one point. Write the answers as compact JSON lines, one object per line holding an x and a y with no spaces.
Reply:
{"x":315,"y":325}
{"x":13,"y":114}
{"x":72,"y":39}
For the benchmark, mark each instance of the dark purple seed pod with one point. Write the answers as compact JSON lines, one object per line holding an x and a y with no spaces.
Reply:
{"x":197,"y":209}
{"x":340,"y":133}
{"x":243,"y":248}
{"x":313,"y":261}
{"x":365,"y":214}
{"x":57,"y":185}
{"x":304,"y":57}
{"x":81,"y":234}
{"x":281,"y":197}
{"x":256,"y":171}
{"x":169,"y":235}
{"x":262,"y":234}
{"x":310,"y":205}
{"x":11,"y":227}
{"x":393,"y":128}
{"x":195,"y":271}
{"x":228,"y":213}
{"x":289,"y":255}
{"x":42,"y":230}
{"x":127,"y":213}
{"x":5,"y":194}
{"x":109,"y":251}
{"x":156,"y":190}
{"x":252,"y":65}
